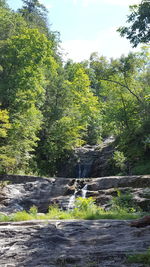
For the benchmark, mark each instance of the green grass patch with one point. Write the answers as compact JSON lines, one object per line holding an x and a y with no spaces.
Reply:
{"x":85,"y":209}
{"x":143,"y":258}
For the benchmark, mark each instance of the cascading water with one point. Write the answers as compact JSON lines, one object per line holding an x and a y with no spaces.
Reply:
{"x":83,"y":169}
{"x":84,"y":191}
{"x":84,"y":157}
{"x":72,"y":199}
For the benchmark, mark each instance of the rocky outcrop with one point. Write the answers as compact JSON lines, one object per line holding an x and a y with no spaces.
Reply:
{"x":102,"y":243}
{"x":22,"y":192}
{"x":90,"y":161}
{"x":103,"y":164}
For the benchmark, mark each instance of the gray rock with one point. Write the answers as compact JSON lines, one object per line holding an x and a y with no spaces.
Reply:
{"x":71,"y":243}
{"x":22,"y":192}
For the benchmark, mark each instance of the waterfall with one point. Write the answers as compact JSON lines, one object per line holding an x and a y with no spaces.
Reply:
{"x":84,"y":191}
{"x":72,"y":198}
{"x":71,"y":201}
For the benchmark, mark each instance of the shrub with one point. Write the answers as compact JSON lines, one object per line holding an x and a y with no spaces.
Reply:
{"x":119,"y":159}
{"x":84,"y":204}
{"x":124,"y":202}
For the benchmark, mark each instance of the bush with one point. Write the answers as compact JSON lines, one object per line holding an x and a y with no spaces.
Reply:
{"x":84,"y":204}
{"x":124,"y":202}
{"x":119,"y":159}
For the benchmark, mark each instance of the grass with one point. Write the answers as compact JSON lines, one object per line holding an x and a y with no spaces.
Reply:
{"x":85,"y":209}
{"x":143,"y":258}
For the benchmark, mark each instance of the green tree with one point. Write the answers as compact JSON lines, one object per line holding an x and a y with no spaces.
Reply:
{"x":24,"y":60}
{"x":68,"y":112}
{"x":123,"y":93}
{"x":35,"y":15}
{"x":3,"y":4}
{"x":4,"y":123}
{"x":11,"y":23}
{"x":138,"y":30}
{"x":33,"y":9}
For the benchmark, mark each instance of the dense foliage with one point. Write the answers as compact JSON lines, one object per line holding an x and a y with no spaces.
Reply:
{"x":47,"y":108}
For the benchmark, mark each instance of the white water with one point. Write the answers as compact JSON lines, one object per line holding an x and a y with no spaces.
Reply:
{"x":71,"y":202}
{"x":84,"y":191}
{"x":72,"y":199}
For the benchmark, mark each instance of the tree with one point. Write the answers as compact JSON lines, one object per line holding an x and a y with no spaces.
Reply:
{"x":123,"y":87}
{"x":33,"y":7}
{"x":69,"y":110}
{"x":11,"y":23}
{"x":5,"y":125}
{"x":24,"y":60}
{"x":3,"y":4}
{"x":35,"y":14}
{"x":138,"y":30}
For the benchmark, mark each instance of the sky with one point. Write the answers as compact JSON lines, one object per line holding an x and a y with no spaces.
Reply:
{"x":87,"y":26}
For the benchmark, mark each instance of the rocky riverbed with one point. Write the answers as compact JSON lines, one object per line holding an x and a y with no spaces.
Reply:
{"x":71,"y":243}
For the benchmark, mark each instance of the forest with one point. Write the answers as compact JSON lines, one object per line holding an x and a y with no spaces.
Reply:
{"x":49,"y":107}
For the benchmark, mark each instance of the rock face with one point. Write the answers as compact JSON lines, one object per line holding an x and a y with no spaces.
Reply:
{"x":90,"y":161}
{"x":99,"y":243}
{"x":22,"y":192}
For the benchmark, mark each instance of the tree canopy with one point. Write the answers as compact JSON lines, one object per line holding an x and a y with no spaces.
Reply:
{"x":138,"y":30}
{"x":48,"y":107}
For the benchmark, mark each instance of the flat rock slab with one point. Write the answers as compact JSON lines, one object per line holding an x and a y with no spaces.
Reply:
{"x":71,"y":243}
